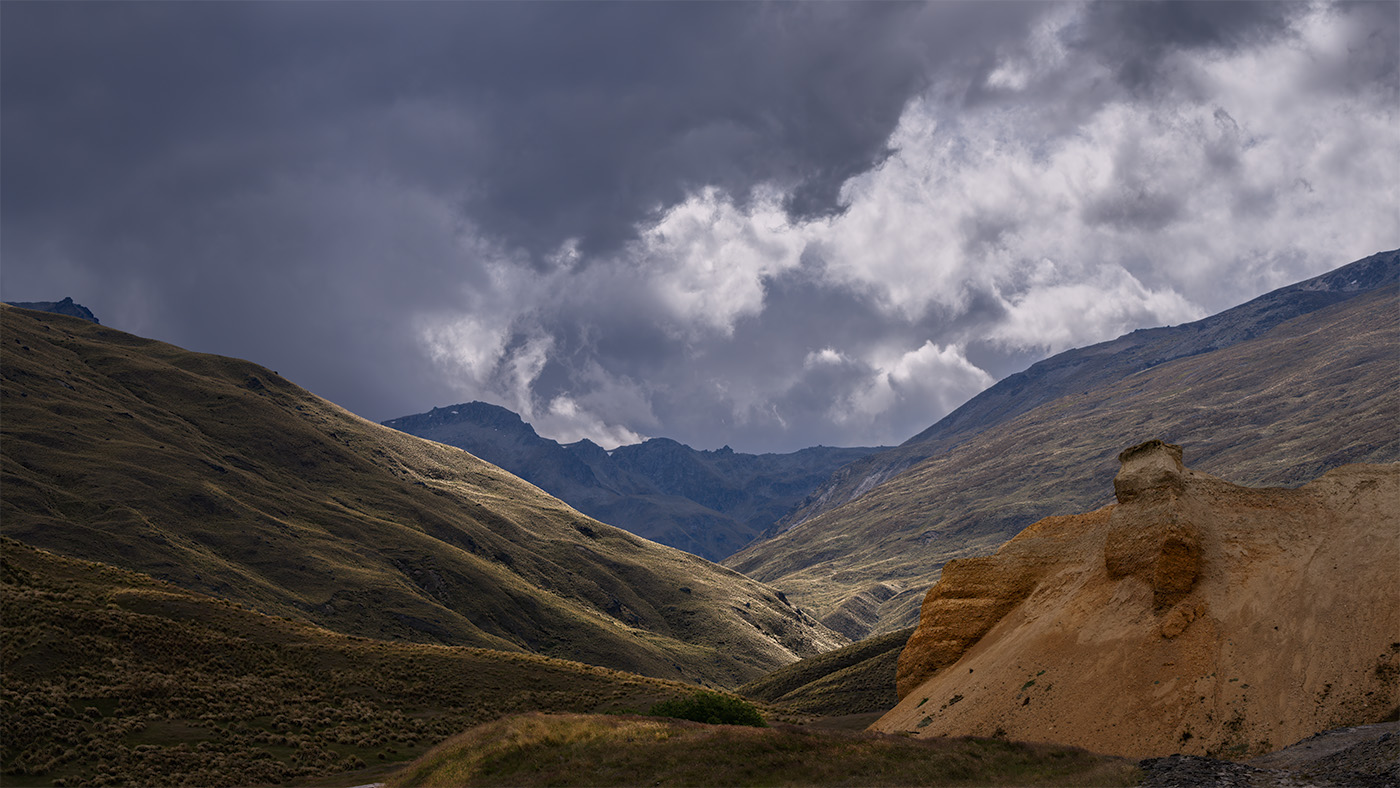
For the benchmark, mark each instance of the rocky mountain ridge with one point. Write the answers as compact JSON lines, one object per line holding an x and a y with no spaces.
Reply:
{"x":1082,"y":369}
{"x":64,"y":307}
{"x":710,"y":503}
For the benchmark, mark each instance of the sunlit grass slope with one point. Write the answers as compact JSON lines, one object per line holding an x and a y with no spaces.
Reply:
{"x":112,"y":677}
{"x":222,"y":477}
{"x":584,"y":750}
{"x":1311,"y":394}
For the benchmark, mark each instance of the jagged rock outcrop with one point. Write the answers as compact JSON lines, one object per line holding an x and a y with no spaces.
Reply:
{"x":64,"y":307}
{"x":1191,"y":616}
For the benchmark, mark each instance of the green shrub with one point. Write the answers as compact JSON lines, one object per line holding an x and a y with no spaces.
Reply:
{"x":712,"y":708}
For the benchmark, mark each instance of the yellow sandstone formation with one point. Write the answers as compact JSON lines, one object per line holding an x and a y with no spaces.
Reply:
{"x":1192,"y":616}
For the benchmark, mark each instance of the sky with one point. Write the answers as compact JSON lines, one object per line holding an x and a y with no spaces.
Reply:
{"x":762,"y":225}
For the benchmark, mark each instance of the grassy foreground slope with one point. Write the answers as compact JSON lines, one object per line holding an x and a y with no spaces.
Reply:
{"x":540,"y":749}
{"x":112,"y":677}
{"x":1311,"y":394}
{"x":221,"y":477}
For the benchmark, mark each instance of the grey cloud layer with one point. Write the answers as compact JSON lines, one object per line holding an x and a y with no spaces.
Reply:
{"x":544,"y":120}
{"x":763,"y":225}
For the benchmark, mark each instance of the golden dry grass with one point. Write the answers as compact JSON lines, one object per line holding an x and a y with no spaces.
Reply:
{"x":584,"y":750}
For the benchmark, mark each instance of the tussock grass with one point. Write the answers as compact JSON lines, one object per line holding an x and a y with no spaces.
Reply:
{"x":222,"y":477}
{"x":587,"y":750}
{"x":113,"y":678}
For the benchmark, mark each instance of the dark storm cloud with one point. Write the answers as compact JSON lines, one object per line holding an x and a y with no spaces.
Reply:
{"x":767,"y":225}
{"x":195,"y":163}
{"x":1135,"y":38}
{"x":583,"y":117}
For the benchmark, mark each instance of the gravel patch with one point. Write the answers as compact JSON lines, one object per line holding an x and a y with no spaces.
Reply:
{"x":1365,"y":756}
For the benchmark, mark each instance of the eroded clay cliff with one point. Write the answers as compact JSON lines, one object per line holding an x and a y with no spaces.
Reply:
{"x":1192,"y":616}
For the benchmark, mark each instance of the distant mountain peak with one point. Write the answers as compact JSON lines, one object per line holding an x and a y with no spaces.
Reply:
{"x":709,"y":503}
{"x":476,"y":413}
{"x":64,"y":307}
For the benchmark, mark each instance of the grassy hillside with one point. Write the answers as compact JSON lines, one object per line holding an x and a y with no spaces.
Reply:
{"x":222,"y":477}
{"x":855,"y":679}
{"x":1312,"y":393}
{"x":113,"y":678}
{"x":539,"y":749}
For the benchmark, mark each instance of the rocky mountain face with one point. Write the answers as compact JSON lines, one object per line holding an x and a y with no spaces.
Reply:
{"x":223,"y":478}
{"x":1310,"y":393}
{"x":64,"y":307}
{"x":1190,"y":616}
{"x":710,"y":503}
{"x":1087,"y":368}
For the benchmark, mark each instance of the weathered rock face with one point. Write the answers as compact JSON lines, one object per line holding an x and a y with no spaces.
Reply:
{"x":1192,"y":616}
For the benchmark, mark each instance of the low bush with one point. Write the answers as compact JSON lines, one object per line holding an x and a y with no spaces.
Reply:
{"x":711,"y":708}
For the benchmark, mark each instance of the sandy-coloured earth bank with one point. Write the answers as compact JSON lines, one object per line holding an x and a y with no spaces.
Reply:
{"x":1193,"y":616}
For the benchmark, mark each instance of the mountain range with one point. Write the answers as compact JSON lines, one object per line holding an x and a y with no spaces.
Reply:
{"x":1082,"y":369}
{"x":1275,"y":391}
{"x":710,"y":503}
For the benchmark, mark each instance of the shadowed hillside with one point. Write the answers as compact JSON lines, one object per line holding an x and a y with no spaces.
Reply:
{"x":710,"y":503}
{"x":220,"y":476}
{"x":854,"y":679}
{"x":1309,"y":394}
